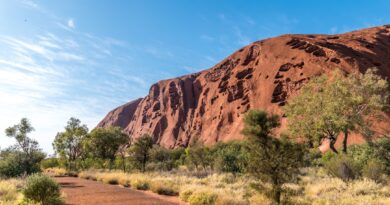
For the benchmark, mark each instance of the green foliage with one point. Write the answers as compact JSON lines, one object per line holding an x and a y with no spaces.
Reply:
{"x":374,"y":169}
{"x":328,"y":106}
{"x":50,"y":163}
{"x":24,"y":157}
{"x":197,"y":155}
{"x":140,"y":151}
{"x":42,"y":189}
{"x":272,"y":160}
{"x":202,"y":198}
{"x":69,"y":144}
{"x":104,"y":143}
{"x":343,"y":167}
{"x":230,"y":157}
{"x":15,"y":163}
{"x":382,"y":152}
{"x":361,"y":154}
{"x":163,"y":159}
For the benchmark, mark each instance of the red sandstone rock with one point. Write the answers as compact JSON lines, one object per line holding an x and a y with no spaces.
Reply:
{"x":263,"y":75}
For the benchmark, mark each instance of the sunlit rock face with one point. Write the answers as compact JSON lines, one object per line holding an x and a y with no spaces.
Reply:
{"x":210,"y":105}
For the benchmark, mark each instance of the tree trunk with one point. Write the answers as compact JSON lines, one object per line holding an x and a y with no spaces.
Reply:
{"x":332,"y":143}
{"x":345,"y":141}
{"x":123,"y":164}
{"x":277,"y":194}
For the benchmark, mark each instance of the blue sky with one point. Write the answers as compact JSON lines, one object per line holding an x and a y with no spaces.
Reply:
{"x":60,"y":59}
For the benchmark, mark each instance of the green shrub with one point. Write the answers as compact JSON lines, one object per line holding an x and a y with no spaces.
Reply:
{"x":382,"y":150}
{"x":42,"y":189}
{"x":230,"y":157}
{"x":15,"y":163}
{"x":202,"y":198}
{"x":313,"y":157}
{"x":374,"y":170}
{"x":343,"y":167}
{"x":361,"y":154}
{"x":185,"y":195}
{"x":327,"y":157}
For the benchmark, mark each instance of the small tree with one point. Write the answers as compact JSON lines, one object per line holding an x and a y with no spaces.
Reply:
{"x":270,"y":159}
{"x":140,"y":151}
{"x":328,"y":106}
{"x":104,"y":143}
{"x":69,"y":144}
{"x":199,"y":155}
{"x":25,"y":156}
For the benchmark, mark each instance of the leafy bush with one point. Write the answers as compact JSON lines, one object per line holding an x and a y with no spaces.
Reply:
{"x":15,"y":163}
{"x":164,"y":188}
{"x":202,"y":198}
{"x":230,"y":157}
{"x":382,"y":152}
{"x":343,"y":167}
{"x":374,"y":170}
{"x":42,"y":189}
{"x":361,"y":154}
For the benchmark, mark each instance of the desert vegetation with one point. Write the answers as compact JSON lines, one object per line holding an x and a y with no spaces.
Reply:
{"x":20,"y":180}
{"x":264,"y":168}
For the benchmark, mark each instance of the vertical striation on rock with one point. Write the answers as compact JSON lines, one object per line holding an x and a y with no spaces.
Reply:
{"x":263,"y":75}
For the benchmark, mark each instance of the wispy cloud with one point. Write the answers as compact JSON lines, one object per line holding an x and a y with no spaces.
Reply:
{"x":71,"y":24}
{"x":29,"y":4}
{"x":242,"y":40}
{"x":54,"y":75}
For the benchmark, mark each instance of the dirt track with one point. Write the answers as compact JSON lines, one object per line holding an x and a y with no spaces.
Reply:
{"x":84,"y":192}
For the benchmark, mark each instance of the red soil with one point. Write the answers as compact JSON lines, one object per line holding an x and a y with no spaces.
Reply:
{"x":84,"y":192}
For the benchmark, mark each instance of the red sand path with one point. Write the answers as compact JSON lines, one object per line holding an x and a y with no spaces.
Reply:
{"x":85,"y":192}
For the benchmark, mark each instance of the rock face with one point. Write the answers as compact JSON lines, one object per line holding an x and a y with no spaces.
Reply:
{"x":210,"y":104}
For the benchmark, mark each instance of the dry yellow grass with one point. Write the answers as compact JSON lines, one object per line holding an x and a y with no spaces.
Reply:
{"x":315,"y":188}
{"x":10,"y":191}
{"x":55,"y":172}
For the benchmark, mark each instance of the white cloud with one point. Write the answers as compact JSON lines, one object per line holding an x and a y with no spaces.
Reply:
{"x":49,"y":78}
{"x":71,"y":23}
{"x":30,"y":4}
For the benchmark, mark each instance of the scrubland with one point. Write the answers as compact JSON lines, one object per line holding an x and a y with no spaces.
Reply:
{"x":314,"y":186}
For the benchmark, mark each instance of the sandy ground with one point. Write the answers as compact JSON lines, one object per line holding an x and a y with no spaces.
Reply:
{"x":85,"y":192}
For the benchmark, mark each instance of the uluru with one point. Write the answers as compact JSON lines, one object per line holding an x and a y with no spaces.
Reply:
{"x":210,"y":104}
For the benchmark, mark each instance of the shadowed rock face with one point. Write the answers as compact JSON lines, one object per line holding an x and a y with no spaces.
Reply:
{"x":263,"y":75}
